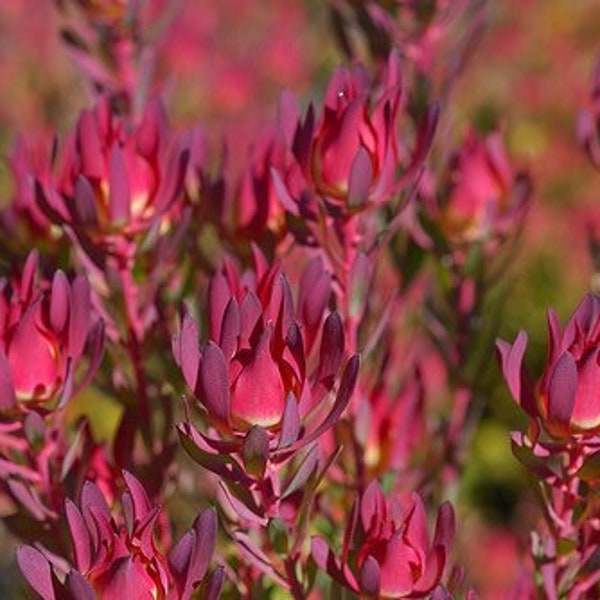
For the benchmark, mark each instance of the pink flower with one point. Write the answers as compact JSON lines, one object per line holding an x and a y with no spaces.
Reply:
{"x":115,"y":182}
{"x":352,"y":156}
{"x":387,"y":553}
{"x":44,"y":330}
{"x":566,"y":398}
{"x":269,"y":363}
{"x":115,"y":556}
{"x":484,"y":198}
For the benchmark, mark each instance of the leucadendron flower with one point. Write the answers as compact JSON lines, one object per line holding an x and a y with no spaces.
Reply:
{"x":45,"y":329}
{"x":566,"y":398}
{"x":269,"y":364}
{"x":116,"y":556}
{"x":115,"y":182}
{"x":354,"y":156}
{"x":483,"y":198}
{"x":387,"y":551}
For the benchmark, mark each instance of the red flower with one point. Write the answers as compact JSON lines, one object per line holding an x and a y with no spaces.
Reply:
{"x":115,"y":556}
{"x":352,"y":156}
{"x":44,"y":330}
{"x":115,"y":182}
{"x":484,"y":198}
{"x":390,"y":548}
{"x":258,"y":369}
{"x":566,"y":399}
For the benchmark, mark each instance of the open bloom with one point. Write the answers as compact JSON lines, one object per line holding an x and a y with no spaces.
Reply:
{"x":44,"y":329}
{"x":115,"y":181}
{"x":351,"y":157}
{"x":118,"y":556}
{"x":388,"y":553}
{"x":260,"y":368}
{"x":566,"y":398}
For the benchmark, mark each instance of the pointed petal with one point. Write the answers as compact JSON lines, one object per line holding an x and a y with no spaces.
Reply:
{"x":214,"y":383}
{"x":119,"y":199}
{"x":35,"y":568}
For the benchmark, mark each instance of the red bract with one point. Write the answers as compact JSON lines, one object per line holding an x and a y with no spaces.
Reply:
{"x":115,"y":181}
{"x":115,"y":556}
{"x":566,"y":399}
{"x":387,"y":552}
{"x":258,"y":369}
{"x":484,"y":199}
{"x":352,"y":156}
{"x":44,"y":329}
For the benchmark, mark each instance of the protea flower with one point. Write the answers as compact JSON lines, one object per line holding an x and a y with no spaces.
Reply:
{"x":115,"y":556}
{"x":45,"y":328}
{"x":566,"y":398}
{"x":258,"y":376}
{"x":387,"y":553}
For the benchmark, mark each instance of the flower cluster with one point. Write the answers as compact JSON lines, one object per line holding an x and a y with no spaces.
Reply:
{"x":307,"y":316}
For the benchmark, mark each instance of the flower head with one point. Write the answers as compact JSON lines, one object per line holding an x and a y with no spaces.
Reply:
{"x":389,"y":547}
{"x":115,"y":181}
{"x":44,"y":329}
{"x":260,"y":367}
{"x":351,"y":157}
{"x":566,"y":398}
{"x":484,"y":198}
{"x":115,"y":555}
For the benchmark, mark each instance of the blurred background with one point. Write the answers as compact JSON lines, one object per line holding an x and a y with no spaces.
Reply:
{"x":223,"y":65}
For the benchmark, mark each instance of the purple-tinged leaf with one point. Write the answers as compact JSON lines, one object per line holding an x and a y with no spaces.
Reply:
{"x":361,"y":177}
{"x":332,"y":348}
{"x":344,"y":394}
{"x":8,"y":400}
{"x":119,"y":198}
{"x":141,"y":502}
{"x":434,"y":568}
{"x":283,"y":193}
{"x":511,"y":357}
{"x":445,"y":526}
{"x":84,"y":203}
{"x":171,"y":184}
{"x":93,"y":502}
{"x":230,"y":329}
{"x":221,"y":464}
{"x":79,"y":587}
{"x":258,"y":558}
{"x":255,"y":451}
{"x":211,"y":590}
{"x":59,"y":301}
{"x":303,"y":473}
{"x":241,"y":500}
{"x":370,"y":577}
{"x":29,"y":275}
{"x":328,"y":563}
{"x":214,"y":383}
{"x":290,"y":422}
{"x":79,"y":318}
{"x":186,"y":351}
{"x":562,"y":387}
{"x":89,"y":146}
{"x":29,"y":499}
{"x":218,"y":298}
{"x":372,"y":507}
{"x":36,"y":570}
{"x":80,"y":536}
